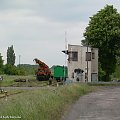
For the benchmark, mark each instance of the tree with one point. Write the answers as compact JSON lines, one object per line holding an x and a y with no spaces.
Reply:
{"x":118,"y":61}
{"x":13,"y":70}
{"x":10,"y":56}
{"x":103,"y":32}
{"x":1,"y":64}
{"x":84,"y":42}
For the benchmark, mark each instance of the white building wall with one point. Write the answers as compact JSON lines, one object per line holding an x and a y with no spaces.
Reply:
{"x":73,"y":64}
{"x":82,"y":63}
{"x":94,"y":63}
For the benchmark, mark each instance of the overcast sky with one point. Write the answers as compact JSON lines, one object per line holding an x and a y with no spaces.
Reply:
{"x":36,"y":28}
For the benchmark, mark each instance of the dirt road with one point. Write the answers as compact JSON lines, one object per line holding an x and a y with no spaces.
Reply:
{"x":100,"y":105}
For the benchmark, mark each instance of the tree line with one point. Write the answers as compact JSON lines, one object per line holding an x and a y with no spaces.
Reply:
{"x":10,"y":69}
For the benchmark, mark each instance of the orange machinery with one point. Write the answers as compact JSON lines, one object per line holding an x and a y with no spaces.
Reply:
{"x":43,"y":72}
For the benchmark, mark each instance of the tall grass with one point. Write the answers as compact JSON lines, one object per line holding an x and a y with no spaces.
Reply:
{"x":43,"y":104}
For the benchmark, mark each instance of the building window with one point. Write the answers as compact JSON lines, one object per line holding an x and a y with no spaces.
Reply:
{"x":88,"y":56}
{"x":73,"y":56}
{"x":93,"y":55}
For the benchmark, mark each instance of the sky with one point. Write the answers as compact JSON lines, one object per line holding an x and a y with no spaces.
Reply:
{"x":36,"y":28}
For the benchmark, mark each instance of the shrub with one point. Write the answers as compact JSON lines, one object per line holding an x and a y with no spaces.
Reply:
{"x":12,"y":70}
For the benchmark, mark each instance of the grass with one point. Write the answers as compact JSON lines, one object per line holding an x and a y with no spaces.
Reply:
{"x":8,"y":80}
{"x":10,"y":92}
{"x":43,"y":104}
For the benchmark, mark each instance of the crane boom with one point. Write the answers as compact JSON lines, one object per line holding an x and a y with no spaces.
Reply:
{"x":40,"y":63}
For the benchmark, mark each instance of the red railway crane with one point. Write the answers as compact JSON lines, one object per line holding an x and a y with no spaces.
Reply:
{"x":43,"y":72}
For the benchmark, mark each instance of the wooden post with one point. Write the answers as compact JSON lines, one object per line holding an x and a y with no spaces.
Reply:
{"x":1,"y":79}
{"x":6,"y":94}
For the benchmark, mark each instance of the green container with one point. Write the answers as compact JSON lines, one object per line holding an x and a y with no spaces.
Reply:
{"x":60,"y":72}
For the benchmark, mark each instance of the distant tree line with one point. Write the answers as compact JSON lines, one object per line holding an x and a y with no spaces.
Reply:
{"x":10,"y":69}
{"x":27,"y":68}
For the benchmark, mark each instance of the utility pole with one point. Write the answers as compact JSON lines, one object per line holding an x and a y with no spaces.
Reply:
{"x":65,"y":55}
{"x":87,"y":62}
{"x":19,"y":60}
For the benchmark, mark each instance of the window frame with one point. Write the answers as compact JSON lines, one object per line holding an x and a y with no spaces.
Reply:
{"x":73,"y":56}
{"x":88,"y":56}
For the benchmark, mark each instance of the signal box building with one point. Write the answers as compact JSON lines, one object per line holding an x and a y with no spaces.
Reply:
{"x":82,"y":63}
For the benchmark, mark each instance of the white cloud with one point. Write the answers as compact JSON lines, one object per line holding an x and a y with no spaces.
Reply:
{"x":37,"y":28}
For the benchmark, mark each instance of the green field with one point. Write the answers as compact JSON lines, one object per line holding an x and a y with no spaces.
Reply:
{"x":8,"y":80}
{"x":42,"y":104}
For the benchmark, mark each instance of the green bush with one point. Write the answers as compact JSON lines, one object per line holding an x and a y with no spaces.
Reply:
{"x":13,"y":70}
{"x":116,"y":74}
{"x":101,"y":73}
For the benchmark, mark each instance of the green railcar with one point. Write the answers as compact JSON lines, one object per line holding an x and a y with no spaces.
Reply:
{"x":60,"y":72}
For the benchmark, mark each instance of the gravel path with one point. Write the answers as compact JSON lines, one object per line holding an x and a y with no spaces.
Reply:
{"x":100,"y":105}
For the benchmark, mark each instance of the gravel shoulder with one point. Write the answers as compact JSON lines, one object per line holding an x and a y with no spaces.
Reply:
{"x":99,"y":105}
